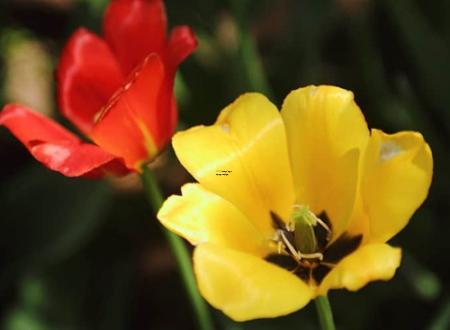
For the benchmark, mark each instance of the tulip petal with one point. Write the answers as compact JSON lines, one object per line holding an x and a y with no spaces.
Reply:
{"x":246,"y":287}
{"x":134,"y":29}
{"x":182,"y":42}
{"x":201,"y":216}
{"x":371,"y":262}
{"x":88,"y":75}
{"x":243,"y":158}
{"x":133,"y":125}
{"x":57,"y":148}
{"x":326,"y":133}
{"x":395,"y":182}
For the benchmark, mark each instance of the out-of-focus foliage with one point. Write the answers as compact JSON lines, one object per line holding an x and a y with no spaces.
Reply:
{"x":78,"y":254}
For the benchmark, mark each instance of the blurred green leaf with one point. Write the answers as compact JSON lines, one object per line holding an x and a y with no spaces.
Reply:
{"x":96,"y":6}
{"x":91,"y":288}
{"x":441,"y":320}
{"x":428,"y":55}
{"x":46,"y":217}
{"x":181,"y":91}
{"x":369,"y":63}
{"x":424,"y":282}
{"x":26,"y":315}
{"x":22,"y":320}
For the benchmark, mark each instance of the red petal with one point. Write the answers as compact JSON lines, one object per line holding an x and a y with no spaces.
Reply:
{"x":182,"y":42}
{"x":136,"y":123}
{"x":88,"y":75}
{"x":135,"y":28}
{"x":55,"y":147}
{"x":78,"y":159}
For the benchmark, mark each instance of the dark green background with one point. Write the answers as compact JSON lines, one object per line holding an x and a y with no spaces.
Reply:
{"x":78,"y":254}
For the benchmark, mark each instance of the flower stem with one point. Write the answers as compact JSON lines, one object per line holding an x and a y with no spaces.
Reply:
{"x":180,"y":252}
{"x":252,"y":66}
{"x":325,"y":314}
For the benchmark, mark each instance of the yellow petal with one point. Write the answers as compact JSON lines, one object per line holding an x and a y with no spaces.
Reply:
{"x":245,"y":287}
{"x":326,"y":133}
{"x":395,"y":181}
{"x":249,"y":141}
{"x":369,"y":263}
{"x":201,"y":216}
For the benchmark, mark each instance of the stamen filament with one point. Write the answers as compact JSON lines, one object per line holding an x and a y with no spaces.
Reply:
{"x":316,"y":255}
{"x":291,"y":248}
{"x":324,"y":225}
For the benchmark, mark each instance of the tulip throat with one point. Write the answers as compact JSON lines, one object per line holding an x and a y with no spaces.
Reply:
{"x":298,"y":237}
{"x":304,"y":244}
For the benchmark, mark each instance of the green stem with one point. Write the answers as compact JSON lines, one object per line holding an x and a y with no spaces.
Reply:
{"x":253,"y":67}
{"x":250,"y":61}
{"x":325,"y":314}
{"x":180,"y":252}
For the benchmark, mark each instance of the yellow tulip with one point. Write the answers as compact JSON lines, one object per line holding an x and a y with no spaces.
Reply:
{"x":291,"y":204}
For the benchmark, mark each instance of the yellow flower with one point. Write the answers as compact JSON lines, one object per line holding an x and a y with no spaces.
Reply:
{"x":294,"y":203}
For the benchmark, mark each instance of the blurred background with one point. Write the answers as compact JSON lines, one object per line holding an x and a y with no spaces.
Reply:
{"x":79,"y":254}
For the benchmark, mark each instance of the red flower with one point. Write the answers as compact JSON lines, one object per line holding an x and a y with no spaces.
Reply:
{"x":118,"y":91}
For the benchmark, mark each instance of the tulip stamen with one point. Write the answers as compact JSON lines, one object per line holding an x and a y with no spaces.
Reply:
{"x":304,"y":244}
{"x":286,"y":239}
{"x":282,"y":241}
{"x":296,"y":254}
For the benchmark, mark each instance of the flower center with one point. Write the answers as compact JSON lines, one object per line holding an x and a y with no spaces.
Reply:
{"x":304,"y":244}
{"x":298,"y":237}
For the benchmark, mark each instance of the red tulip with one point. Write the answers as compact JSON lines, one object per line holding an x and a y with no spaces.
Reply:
{"x":118,"y":91}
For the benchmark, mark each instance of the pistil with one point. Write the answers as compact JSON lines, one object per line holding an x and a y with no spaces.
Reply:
{"x":304,"y":222}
